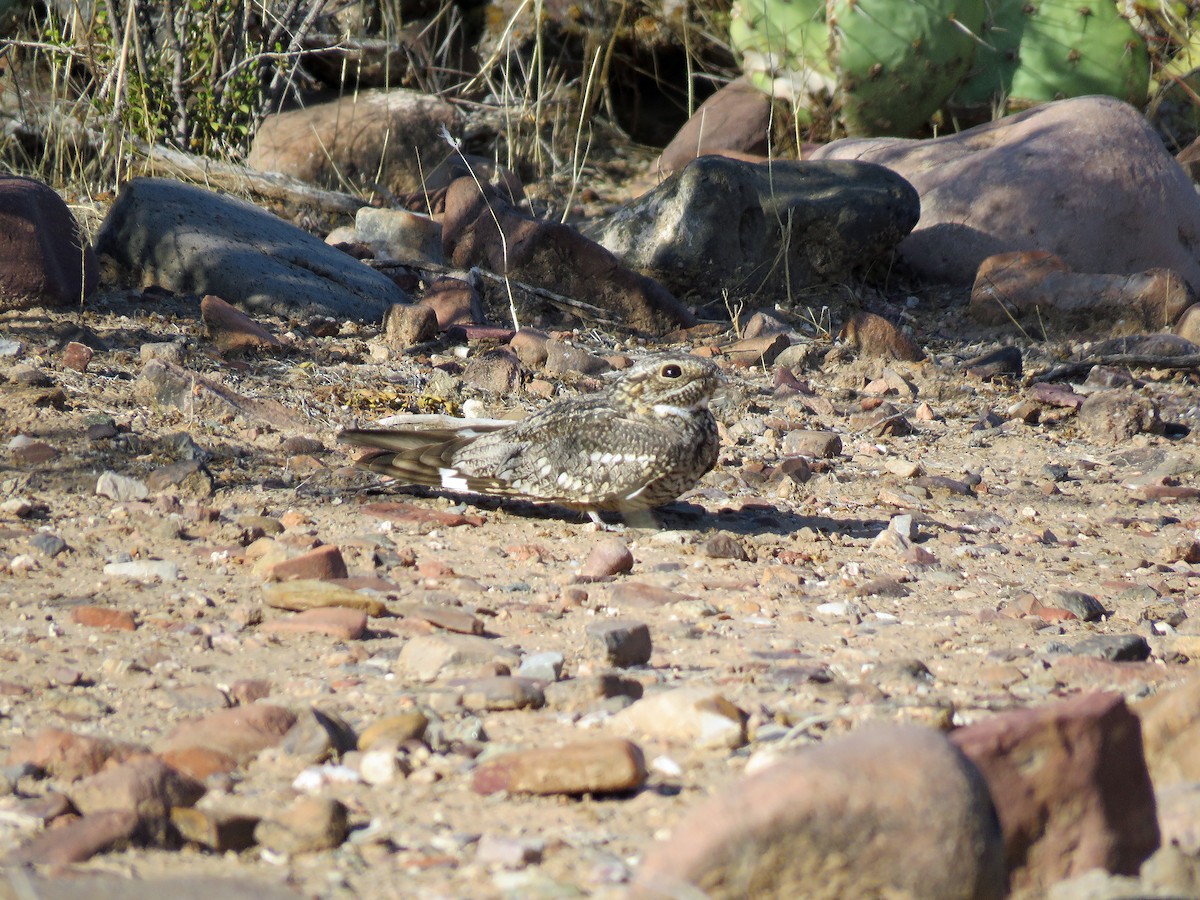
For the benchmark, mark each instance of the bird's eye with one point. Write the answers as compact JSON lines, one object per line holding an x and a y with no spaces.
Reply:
{"x":671,"y":371}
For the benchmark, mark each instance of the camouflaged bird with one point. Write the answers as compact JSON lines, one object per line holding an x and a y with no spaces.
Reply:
{"x":637,"y":444}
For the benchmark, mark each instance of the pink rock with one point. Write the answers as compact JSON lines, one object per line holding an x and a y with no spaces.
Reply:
{"x":1085,"y":178}
{"x":324,"y":563}
{"x":344,"y":624}
{"x":143,"y":784}
{"x":410,"y":512}
{"x":240,"y":732}
{"x":1070,"y":785}
{"x":610,"y":556}
{"x":43,"y":256}
{"x":454,"y":302}
{"x":883,"y":812}
{"x":1034,"y":287}
{"x":737,"y":118}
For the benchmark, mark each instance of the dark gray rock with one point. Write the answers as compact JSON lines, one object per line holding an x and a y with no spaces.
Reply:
{"x":195,"y":241}
{"x":622,"y":642}
{"x":721,"y":224}
{"x":1114,"y":647}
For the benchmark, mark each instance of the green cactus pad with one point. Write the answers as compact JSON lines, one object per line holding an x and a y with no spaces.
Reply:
{"x":783,"y":46}
{"x":898,"y":62}
{"x":1039,"y":50}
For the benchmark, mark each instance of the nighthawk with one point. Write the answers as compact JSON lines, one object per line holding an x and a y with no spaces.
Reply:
{"x":637,"y":444}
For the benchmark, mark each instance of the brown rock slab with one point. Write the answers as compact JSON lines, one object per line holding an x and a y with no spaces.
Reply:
{"x":309,"y":825}
{"x":431,"y":656}
{"x":451,"y":619}
{"x":1070,"y":785}
{"x":1039,"y":287}
{"x":406,"y":325}
{"x":144,"y":785}
{"x":588,"y":767}
{"x":552,"y":256}
{"x":80,"y":840}
{"x":310,"y":593}
{"x":69,"y":756}
{"x":46,"y":260}
{"x":453,"y":301}
{"x":324,"y":563}
{"x":240,"y":732}
{"x":838,"y":820}
{"x":343,"y":624}
{"x":199,"y":762}
{"x":232,"y":331}
{"x":215,"y":830}
{"x":621,"y":642}
{"x":1113,"y":417}
{"x":103,"y":617}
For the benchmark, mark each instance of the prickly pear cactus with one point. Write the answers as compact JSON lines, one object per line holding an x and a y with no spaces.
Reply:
{"x":898,"y":62}
{"x":1039,"y":50}
{"x":783,"y":45}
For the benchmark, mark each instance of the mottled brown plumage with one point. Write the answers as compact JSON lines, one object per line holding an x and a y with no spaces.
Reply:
{"x":635,"y":445}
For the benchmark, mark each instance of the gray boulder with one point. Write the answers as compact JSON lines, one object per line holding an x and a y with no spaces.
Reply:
{"x":195,"y":241}
{"x":758,"y":229}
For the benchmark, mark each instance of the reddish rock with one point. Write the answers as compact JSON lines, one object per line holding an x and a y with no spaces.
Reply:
{"x":143,"y":784}
{"x":44,"y":259}
{"x":883,"y":812}
{"x":78,"y":841}
{"x":1070,"y":785}
{"x":530,"y":346}
{"x":1187,"y":326}
{"x":736,"y":118}
{"x":552,"y":256}
{"x":1038,"y":287}
{"x":240,"y":732}
{"x":103,"y":617}
{"x":77,"y":356}
{"x":199,"y":762}
{"x":451,"y":619}
{"x":875,"y":336}
{"x":337,"y":622}
{"x":453,"y":301}
{"x":247,"y":690}
{"x":604,"y":766}
{"x":69,"y":756}
{"x":325,"y":563}
{"x":610,"y":556}
{"x":233,"y":331}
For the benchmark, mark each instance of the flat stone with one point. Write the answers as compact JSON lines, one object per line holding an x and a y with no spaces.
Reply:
{"x":701,"y":717}
{"x":70,"y":756}
{"x":1115,"y":647}
{"x":240,"y":732}
{"x":393,"y":730}
{"x":451,"y":619}
{"x":142,"y":784}
{"x":433,"y":656}
{"x":587,"y":767}
{"x":78,"y":841}
{"x":502,"y":692}
{"x":334,"y":621}
{"x":545,"y":666}
{"x":121,"y":488}
{"x":215,"y":830}
{"x":103,"y":617}
{"x":310,"y":593}
{"x":324,"y":563}
{"x":148,"y":570}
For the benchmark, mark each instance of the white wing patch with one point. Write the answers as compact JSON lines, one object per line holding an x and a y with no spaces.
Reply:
{"x":452,"y":481}
{"x":610,"y":459}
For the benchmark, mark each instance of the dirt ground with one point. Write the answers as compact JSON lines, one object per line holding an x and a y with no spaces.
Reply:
{"x":822,"y":627}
